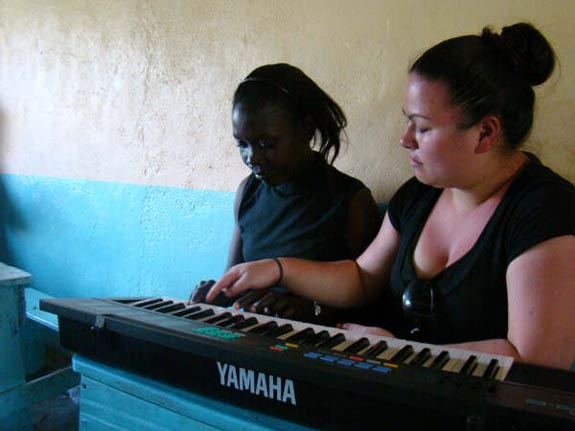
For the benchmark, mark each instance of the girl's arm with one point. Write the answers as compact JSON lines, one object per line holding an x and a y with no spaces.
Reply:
{"x":339,"y":284}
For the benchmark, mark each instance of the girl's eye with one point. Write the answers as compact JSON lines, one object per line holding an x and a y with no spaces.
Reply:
{"x":422,"y":130}
{"x":265,"y":144}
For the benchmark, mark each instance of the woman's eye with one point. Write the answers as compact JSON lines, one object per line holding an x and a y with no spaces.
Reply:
{"x":422,"y":129}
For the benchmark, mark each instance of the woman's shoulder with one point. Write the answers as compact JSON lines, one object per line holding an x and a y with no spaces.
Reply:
{"x":538,"y":184}
{"x":539,"y":205}
{"x":411,"y":192}
{"x":411,"y":201}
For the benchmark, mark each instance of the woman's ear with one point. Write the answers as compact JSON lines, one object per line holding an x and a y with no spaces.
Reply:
{"x":490,"y":134}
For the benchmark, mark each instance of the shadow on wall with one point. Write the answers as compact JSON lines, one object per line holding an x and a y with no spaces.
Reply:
{"x":9,"y":216}
{"x":4,"y":220}
{"x":3,"y":198}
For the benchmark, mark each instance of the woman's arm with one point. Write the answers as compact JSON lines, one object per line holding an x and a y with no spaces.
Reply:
{"x":338,"y":284}
{"x":541,"y":301}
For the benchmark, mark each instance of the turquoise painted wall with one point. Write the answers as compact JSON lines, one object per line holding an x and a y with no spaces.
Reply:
{"x":101,"y":239}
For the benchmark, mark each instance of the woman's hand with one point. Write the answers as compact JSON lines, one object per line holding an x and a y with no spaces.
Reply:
{"x":368,"y":330}
{"x":244,"y":276}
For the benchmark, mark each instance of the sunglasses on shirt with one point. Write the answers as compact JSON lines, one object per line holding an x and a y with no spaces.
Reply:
{"x":418,"y":306}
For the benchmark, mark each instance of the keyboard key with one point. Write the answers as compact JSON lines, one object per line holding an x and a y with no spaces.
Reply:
{"x":231,"y":321}
{"x":404,"y":353}
{"x":280,"y":330}
{"x":357,"y":346}
{"x":376,"y":349}
{"x":218,"y":318}
{"x":172,"y":307}
{"x":332,"y":341}
{"x":187,"y":310}
{"x":301,"y":335}
{"x":264,"y":328}
{"x":421,"y":358}
{"x":491,"y":369}
{"x":158,"y":305}
{"x":440,"y":360}
{"x":146,"y":302}
{"x":317,"y":338}
{"x":200,"y":314}
{"x":250,"y":321}
{"x":469,"y":365}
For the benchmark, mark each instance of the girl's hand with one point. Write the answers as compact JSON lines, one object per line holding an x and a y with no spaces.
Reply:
{"x":244,"y":276}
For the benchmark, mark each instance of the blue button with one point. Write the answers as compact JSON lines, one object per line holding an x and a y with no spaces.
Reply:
{"x":328,"y":358}
{"x":382,"y":369}
{"x":363,"y":365}
{"x":345,"y":362}
{"x":312,"y":355}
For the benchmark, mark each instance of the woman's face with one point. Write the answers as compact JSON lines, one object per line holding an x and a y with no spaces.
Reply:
{"x":270,"y":144}
{"x":440,"y":152}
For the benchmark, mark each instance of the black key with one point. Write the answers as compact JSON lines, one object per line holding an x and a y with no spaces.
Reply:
{"x":187,"y":310}
{"x":440,"y":360}
{"x":147,"y":302}
{"x":376,"y":349}
{"x":280,"y":330}
{"x":421,"y":358}
{"x":469,"y":365}
{"x":491,"y":369}
{"x":300,"y":336}
{"x":264,"y":328}
{"x":317,"y":338}
{"x":218,"y":317}
{"x":200,"y":314}
{"x":403,"y":354}
{"x":357,"y":346}
{"x":332,"y":342}
{"x":158,"y":305}
{"x":231,"y":321}
{"x":173,"y":307}
{"x":130,"y":301}
{"x":245,"y":323}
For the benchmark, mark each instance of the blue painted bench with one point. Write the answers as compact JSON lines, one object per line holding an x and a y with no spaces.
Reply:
{"x":113,"y":399}
{"x":22,"y":356}
{"x":40,"y":332}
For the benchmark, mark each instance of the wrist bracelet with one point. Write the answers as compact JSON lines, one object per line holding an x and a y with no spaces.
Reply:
{"x":316,"y":308}
{"x":280,"y":267}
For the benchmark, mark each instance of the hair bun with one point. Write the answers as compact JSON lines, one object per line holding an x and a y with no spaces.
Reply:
{"x":532,"y":54}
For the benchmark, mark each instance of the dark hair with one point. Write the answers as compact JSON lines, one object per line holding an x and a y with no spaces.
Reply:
{"x":287,"y":85}
{"x":492,"y":74}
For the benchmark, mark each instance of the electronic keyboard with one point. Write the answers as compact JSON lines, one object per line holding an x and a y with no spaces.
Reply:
{"x":319,"y":376}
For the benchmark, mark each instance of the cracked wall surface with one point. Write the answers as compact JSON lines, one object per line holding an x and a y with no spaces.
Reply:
{"x":139,"y":91}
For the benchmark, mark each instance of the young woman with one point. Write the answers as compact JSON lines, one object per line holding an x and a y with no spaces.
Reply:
{"x":477,"y":249}
{"x":294,"y":203}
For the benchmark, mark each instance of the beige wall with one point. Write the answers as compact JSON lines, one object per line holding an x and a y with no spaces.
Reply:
{"x":139,"y":91}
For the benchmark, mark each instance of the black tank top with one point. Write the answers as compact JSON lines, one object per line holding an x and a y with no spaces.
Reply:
{"x":305,"y":218}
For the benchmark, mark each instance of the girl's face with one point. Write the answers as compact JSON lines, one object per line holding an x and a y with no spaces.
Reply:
{"x":270,"y":142}
{"x":440,"y":152}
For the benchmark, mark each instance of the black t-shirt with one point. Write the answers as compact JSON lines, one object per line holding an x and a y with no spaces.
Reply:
{"x":471,"y":294}
{"x":306,"y":218}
